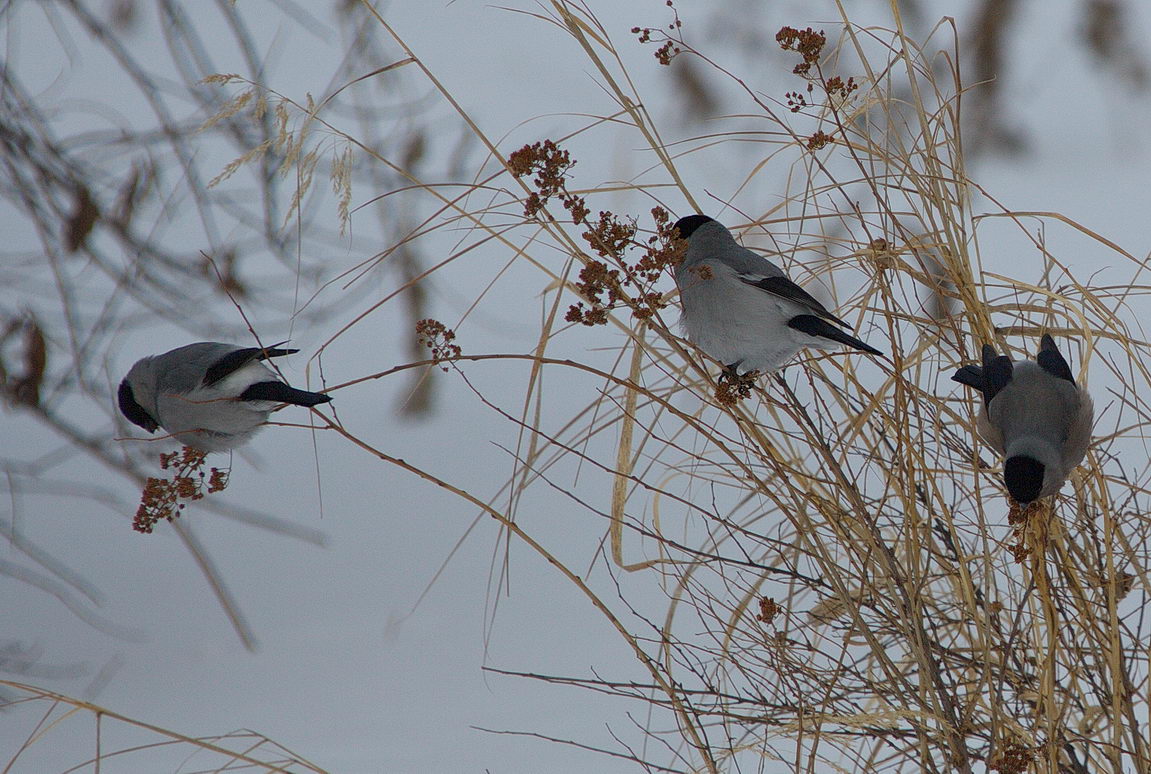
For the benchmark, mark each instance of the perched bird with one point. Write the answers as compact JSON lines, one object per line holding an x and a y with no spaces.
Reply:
{"x":1035,"y":415}
{"x":210,"y":396}
{"x":741,"y":309}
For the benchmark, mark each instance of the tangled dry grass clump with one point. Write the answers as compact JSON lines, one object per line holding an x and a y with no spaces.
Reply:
{"x":818,"y":570}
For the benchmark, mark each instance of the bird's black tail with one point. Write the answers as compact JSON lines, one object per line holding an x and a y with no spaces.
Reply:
{"x":815,"y":326}
{"x":970,"y":375}
{"x":282,"y":393}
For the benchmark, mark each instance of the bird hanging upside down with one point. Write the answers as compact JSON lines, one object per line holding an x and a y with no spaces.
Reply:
{"x":210,"y":396}
{"x":1035,"y":415}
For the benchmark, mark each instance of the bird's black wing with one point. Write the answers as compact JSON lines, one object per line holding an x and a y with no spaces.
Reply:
{"x":997,"y":371}
{"x":133,"y":411}
{"x":813,"y":326}
{"x":1051,"y":361}
{"x":237,"y":359}
{"x":785,"y":288}
{"x":282,"y":393}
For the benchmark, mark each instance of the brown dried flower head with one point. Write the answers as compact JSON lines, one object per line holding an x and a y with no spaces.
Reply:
{"x":837,"y":87}
{"x":595,"y":281}
{"x":608,"y":237}
{"x":768,"y":610}
{"x":1014,"y":758}
{"x":631,"y":284}
{"x":437,"y":337}
{"x":161,"y":497}
{"x":732,"y":387}
{"x":1019,"y":551}
{"x":664,"y":249}
{"x":609,"y":280}
{"x":549,"y":163}
{"x":1021,"y":518}
{"x":703,"y":272}
{"x":819,"y":140}
{"x":796,"y":101}
{"x":671,"y":40}
{"x":807,"y":43}
{"x":665,"y":53}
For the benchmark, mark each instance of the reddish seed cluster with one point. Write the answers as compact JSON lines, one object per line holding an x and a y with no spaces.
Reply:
{"x":551,"y":165}
{"x":437,"y":337}
{"x":703,"y":272}
{"x":670,"y":48}
{"x":882,"y":253}
{"x":810,"y":44}
{"x":663,"y":252}
{"x":807,"y":43}
{"x":217,"y":480}
{"x":604,"y":287}
{"x":796,"y":101}
{"x":819,"y":140}
{"x":577,"y":208}
{"x":731,"y":387}
{"x":664,"y":249}
{"x":611,"y":280}
{"x":161,"y":497}
{"x":665,"y":53}
{"x":609,"y":237}
{"x":595,"y":280}
{"x":648,"y":303}
{"x":1018,"y":517}
{"x":1012,"y":759}
{"x":837,"y":87}
{"x":768,"y":610}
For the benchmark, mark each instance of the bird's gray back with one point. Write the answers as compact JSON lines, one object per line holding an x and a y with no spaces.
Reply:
{"x":182,"y":370}
{"x":712,"y":241}
{"x":1035,"y":403}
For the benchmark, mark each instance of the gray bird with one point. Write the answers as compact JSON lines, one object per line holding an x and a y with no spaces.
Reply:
{"x":209,"y":395}
{"x":741,"y":309}
{"x":1035,"y":415}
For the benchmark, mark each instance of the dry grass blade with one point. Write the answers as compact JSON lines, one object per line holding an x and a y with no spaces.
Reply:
{"x":63,"y":737}
{"x":623,"y":461}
